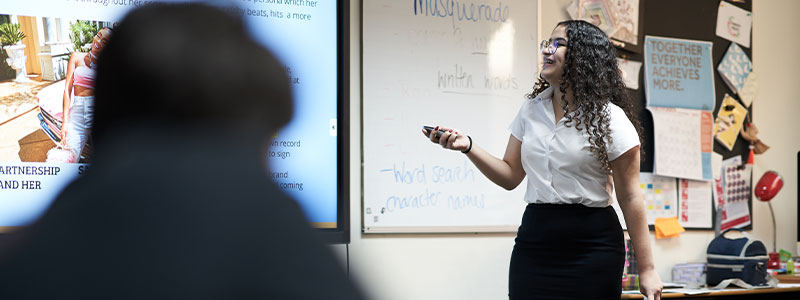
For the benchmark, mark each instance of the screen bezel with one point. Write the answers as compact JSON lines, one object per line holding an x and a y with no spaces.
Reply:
{"x":341,"y":234}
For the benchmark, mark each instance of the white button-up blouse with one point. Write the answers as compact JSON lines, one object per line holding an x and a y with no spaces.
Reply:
{"x":557,"y":159}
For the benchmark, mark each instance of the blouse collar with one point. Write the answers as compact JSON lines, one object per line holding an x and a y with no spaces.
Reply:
{"x":547,"y":94}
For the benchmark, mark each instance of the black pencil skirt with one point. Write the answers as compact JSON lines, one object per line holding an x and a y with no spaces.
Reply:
{"x":567,"y":251}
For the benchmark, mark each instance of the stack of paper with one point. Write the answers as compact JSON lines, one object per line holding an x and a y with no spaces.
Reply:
{"x":691,"y":274}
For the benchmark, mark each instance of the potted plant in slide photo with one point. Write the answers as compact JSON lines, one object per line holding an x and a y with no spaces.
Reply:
{"x":11,"y":38}
{"x":81,"y":34}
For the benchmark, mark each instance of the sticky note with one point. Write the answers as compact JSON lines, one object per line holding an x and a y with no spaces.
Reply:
{"x":668,"y":227}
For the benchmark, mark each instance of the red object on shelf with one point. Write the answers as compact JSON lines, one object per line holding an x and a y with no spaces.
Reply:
{"x":774,"y":261}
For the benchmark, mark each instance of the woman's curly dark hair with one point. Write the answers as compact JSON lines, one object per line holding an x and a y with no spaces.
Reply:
{"x":590,"y":69}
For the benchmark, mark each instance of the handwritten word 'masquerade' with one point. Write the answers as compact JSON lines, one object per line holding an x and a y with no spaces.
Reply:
{"x":461,"y":10}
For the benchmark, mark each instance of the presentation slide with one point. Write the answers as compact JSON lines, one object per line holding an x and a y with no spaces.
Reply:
{"x":37,"y":161}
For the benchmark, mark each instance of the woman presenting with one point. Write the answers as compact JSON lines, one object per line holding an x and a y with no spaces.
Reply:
{"x":79,"y":94}
{"x":576,"y":140}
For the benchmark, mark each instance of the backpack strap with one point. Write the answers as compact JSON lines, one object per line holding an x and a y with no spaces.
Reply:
{"x":744,"y":249}
{"x":735,"y":229}
{"x":772,"y":282}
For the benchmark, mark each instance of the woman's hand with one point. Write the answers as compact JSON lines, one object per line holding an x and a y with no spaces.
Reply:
{"x":450,"y":138}
{"x":650,"y":285}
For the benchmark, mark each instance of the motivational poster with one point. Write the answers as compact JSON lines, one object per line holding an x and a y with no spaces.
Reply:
{"x":678,"y":73}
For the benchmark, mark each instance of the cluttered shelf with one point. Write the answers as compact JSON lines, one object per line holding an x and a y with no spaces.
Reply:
{"x":733,"y":259}
{"x":788,"y":288}
{"x":783,"y":291}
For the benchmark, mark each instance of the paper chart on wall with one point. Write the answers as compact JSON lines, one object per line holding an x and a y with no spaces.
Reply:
{"x":719,"y":192}
{"x":683,"y":142}
{"x":736,"y":191}
{"x":660,"y":198}
{"x":695,"y":203}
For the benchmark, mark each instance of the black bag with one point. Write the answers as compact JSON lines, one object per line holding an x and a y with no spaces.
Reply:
{"x":742,"y":258}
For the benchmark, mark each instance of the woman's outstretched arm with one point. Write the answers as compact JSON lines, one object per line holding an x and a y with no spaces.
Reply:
{"x":506,"y":172}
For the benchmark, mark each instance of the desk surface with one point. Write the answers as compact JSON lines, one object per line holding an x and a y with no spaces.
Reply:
{"x":773,"y":293}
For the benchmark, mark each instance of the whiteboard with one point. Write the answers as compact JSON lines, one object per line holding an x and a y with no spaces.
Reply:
{"x":466,"y":65}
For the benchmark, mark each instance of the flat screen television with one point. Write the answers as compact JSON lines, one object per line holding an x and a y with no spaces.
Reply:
{"x":308,"y":158}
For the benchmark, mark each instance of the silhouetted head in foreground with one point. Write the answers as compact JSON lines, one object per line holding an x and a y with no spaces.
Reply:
{"x":187,"y":65}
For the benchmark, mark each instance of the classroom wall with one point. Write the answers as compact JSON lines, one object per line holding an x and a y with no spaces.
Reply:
{"x":776,"y":60}
{"x":475,"y":266}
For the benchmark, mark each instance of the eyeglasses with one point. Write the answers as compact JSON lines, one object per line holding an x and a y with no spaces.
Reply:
{"x":551,"y":46}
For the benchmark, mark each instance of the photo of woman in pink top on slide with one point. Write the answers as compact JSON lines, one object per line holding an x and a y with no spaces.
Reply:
{"x":79,"y":95}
